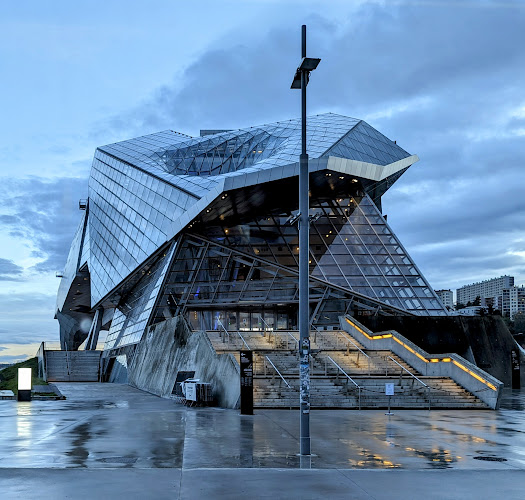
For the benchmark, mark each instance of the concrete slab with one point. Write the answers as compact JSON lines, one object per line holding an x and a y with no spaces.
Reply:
{"x":5,"y":394}
{"x":231,"y":484}
{"x":269,"y":483}
{"x":87,"y":484}
{"x":439,"y":485}
{"x":115,"y":440}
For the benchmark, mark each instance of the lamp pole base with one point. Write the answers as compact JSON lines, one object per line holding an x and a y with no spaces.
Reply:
{"x":24,"y":395}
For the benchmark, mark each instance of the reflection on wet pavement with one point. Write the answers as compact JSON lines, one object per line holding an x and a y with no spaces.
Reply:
{"x":116,"y":426}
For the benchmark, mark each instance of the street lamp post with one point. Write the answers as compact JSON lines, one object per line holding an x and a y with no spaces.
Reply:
{"x":300,"y":81}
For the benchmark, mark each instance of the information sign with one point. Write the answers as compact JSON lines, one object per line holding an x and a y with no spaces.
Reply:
{"x":246,"y":383}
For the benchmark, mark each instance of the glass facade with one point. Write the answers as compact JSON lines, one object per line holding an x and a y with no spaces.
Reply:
{"x":163,"y":236}
{"x":134,"y":309}
{"x":131,"y":214}
{"x":350,"y":246}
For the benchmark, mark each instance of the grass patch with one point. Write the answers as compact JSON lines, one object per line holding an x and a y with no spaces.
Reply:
{"x":9,"y":376}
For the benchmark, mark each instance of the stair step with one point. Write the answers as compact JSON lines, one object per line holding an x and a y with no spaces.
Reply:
{"x":331,"y":388}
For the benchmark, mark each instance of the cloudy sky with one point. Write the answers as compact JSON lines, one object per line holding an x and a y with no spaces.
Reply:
{"x":443,"y":78}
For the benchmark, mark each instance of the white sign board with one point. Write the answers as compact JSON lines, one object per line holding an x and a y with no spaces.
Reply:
{"x":191,"y":392}
{"x":389,"y":389}
{"x":24,"y":379}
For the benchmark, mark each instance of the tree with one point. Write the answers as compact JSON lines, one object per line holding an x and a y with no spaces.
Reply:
{"x":459,"y":306}
{"x":477,"y":301}
{"x":519,"y":322}
{"x":490,"y":309}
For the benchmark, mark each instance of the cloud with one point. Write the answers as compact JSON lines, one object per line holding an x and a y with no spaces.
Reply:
{"x":27,"y":318}
{"x":2,"y":348}
{"x":44,"y":213}
{"x":9,"y":271}
{"x":445,"y":80}
{"x":383,"y":56}
{"x":13,"y":358}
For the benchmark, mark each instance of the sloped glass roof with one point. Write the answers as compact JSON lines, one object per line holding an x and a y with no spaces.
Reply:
{"x":365,"y":143}
{"x":269,"y":145}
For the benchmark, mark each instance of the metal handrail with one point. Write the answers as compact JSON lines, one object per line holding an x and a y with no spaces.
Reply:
{"x":52,"y":346}
{"x":296,"y":341}
{"x":68,"y":365}
{"x":316,"y":330}
{"x":344,"y":373}
{"x":219,"y":322}
{"x":42,"y":354}
{"x":267,"y":325}
{"x":245,"y":343}
{"x":413,"y":376}
{"x":354,"y":344}
{"x":408,"y":371}
{"x":268,"y":329}
{"x":349,"y":378}
{"x":358,"y":348}
{"x":278,"y":372}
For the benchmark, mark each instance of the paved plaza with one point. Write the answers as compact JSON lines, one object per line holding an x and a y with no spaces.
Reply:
{"x":109,"y":440}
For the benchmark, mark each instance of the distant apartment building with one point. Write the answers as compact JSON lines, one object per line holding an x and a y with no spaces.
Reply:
{"x":511,"y":301}
{"x":446,"y":297}
{"x":484,"y":289}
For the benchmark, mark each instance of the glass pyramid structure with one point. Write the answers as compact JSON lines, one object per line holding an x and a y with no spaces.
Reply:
{"x":199,"y":226}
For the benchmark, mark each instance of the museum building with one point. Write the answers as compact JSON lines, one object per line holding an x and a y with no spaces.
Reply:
{"x":204,"y":227}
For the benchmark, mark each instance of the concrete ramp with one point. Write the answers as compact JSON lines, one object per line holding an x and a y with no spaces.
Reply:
{"x":72,"y":366}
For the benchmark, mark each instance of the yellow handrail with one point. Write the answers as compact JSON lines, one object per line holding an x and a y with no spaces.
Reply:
{"x":432,"y":360}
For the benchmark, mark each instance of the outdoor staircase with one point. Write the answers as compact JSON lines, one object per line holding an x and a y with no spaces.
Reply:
{"x":342,"y":373}
{"x":72,"y":366}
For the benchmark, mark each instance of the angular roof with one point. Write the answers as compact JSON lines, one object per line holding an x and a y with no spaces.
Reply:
{"x":144,"y":191}
{"x":271,"y":145}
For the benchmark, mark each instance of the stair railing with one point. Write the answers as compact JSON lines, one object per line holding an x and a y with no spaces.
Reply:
{"x":413,"y":377}
{"x":294,"y":339}
{"x":226,"y":332}
{"x":359,"y":350}
{"x":68,"y":367}
{"x":244,"y":341}
{"x":278,"y":372}
{"x":315,"y":333}
{"x":349,"y":378}
{"x":268,"y":329}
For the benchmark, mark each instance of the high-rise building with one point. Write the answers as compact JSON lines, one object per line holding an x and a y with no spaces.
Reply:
{"x":483,"y":289}
{"x":446,"y":297}
{"x":511,"y":301}
{"x":204,"y":227}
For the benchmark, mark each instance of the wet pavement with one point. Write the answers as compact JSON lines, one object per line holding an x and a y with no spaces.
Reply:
{"x":113,"y":439}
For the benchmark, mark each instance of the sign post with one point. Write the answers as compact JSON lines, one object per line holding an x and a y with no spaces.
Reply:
{"x":515,"y":361}
{"x":246,"y":383}
{"x":389,"y":391}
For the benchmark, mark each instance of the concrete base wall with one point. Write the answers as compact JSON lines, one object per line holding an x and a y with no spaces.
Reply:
{"x":472,"y":378}
{"x":485,"y":341}
{"x":170,"y":347}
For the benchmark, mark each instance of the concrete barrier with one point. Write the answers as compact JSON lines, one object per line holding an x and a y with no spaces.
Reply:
{"x":170,"y":347}
{"x":472,"y":378}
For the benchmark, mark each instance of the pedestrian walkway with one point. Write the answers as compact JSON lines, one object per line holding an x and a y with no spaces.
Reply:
{"x":113,"y":440}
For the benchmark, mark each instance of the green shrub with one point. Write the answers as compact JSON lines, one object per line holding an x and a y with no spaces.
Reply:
{"x":9,"y":376}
